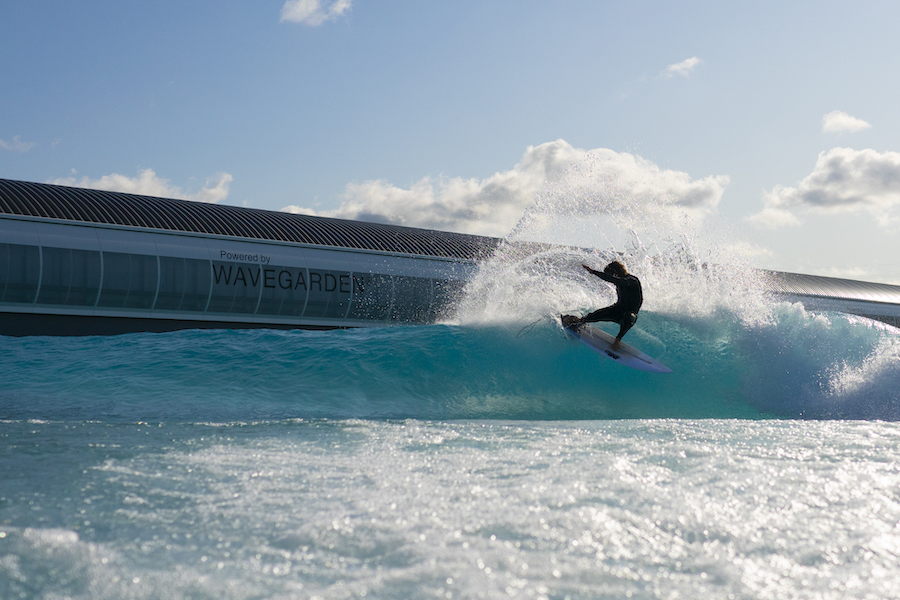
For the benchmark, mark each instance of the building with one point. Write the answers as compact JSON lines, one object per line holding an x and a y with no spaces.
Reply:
{"x":877,"y":301}
{"x":84,"y":262}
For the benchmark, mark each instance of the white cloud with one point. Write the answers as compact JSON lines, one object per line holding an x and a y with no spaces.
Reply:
{"x":16,"y":145}
{"x":313,"y":12}
{"x":838,"y":121}
{"x":148,"y":183}
{"x":843,"y":180}
{"x":599,"y":181}
{"x":683,"y":68}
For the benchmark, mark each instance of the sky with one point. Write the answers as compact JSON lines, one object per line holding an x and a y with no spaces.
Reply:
{"x":776,"y":123}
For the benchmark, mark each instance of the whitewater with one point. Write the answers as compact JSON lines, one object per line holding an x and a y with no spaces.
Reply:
{"x":484,"y":456}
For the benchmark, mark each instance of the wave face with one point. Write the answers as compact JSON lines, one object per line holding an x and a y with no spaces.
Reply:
{"x":795,"y":364}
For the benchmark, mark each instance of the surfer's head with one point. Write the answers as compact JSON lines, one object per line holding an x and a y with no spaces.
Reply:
{"x":615,"y":268}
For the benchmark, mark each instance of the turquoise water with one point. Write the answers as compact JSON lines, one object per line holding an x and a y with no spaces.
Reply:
{"x":797,"y":365}
{"x":454,"y":461}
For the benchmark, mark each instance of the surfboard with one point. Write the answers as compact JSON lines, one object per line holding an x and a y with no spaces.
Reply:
{"x":600,"y":341}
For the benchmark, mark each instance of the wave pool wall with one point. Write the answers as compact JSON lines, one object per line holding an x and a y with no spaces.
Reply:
{"x":86,"y":262}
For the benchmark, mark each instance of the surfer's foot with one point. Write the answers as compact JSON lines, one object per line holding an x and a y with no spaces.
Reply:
{"x":571,"y":321}
{"x":615,"y":345}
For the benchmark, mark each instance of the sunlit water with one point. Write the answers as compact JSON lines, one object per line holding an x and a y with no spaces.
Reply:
{"x":471,"y":509}
{"x":485,"y":457}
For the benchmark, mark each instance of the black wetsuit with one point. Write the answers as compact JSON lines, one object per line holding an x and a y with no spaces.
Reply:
{"x":625,"y":310}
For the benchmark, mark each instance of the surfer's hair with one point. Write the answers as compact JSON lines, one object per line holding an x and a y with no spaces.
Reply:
{"x":615,"y":268}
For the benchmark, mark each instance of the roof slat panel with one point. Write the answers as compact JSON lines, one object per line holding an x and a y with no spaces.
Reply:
{"x":831,"y":287}
{"x":167,"y":214}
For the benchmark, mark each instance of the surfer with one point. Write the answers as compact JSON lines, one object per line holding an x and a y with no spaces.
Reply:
{"x":628,"y":301}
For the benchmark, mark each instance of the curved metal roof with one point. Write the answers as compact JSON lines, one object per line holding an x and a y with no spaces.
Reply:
{"x":830,"y":287}
{"x":114,"y":208}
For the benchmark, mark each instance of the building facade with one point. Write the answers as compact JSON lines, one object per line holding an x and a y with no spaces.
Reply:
{"x":84,"y":262}
{"x":87,"y":262}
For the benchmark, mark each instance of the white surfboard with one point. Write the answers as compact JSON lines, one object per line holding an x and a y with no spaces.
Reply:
{"x":600,"y":341}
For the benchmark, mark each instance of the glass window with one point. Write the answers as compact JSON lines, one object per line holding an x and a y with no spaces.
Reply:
{"x":85,"y":278}
{"x":284,"y":291}
{"x":183,"y":284}
{"x":144,"y":276}
{"x":129,"y":280}
{"x":56,"y":275}
{"x":447,"y":293}
{"x":236,"y":287}
{"x":372,"y":296}
{"x":412,"y":299}
{"x":171,"y":283}
{"x":116,"y":279}
{"x":197,"y":277}
{"x":20,"y":267}
{"x":69,"y":277}
{"x":329,"y":294}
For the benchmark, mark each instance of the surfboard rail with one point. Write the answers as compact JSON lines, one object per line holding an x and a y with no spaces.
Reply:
{"x":601,"y":342}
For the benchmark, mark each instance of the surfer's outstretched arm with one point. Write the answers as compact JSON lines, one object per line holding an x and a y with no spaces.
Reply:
{"x":600,"y":274}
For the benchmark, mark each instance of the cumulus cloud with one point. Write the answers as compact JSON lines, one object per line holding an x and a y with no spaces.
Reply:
{"x":843,"y":180}
{"x":601,"y":180}
{"x":148,"y":183}
{"x":683,"y":68}
{"x":16,"y":145}
{"x":313,"y":12}
{"x":838,"y":122}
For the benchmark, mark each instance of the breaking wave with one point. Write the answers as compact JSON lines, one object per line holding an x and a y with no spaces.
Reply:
{"x":735,"y":352}
{"x":795,"y":364}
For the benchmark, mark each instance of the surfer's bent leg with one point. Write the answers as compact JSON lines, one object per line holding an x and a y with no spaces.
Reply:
{"x":627,"y":322}
{"x":609,"y":313}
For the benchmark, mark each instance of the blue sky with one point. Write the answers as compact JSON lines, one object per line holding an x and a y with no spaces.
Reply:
{"x":775,"y":121}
